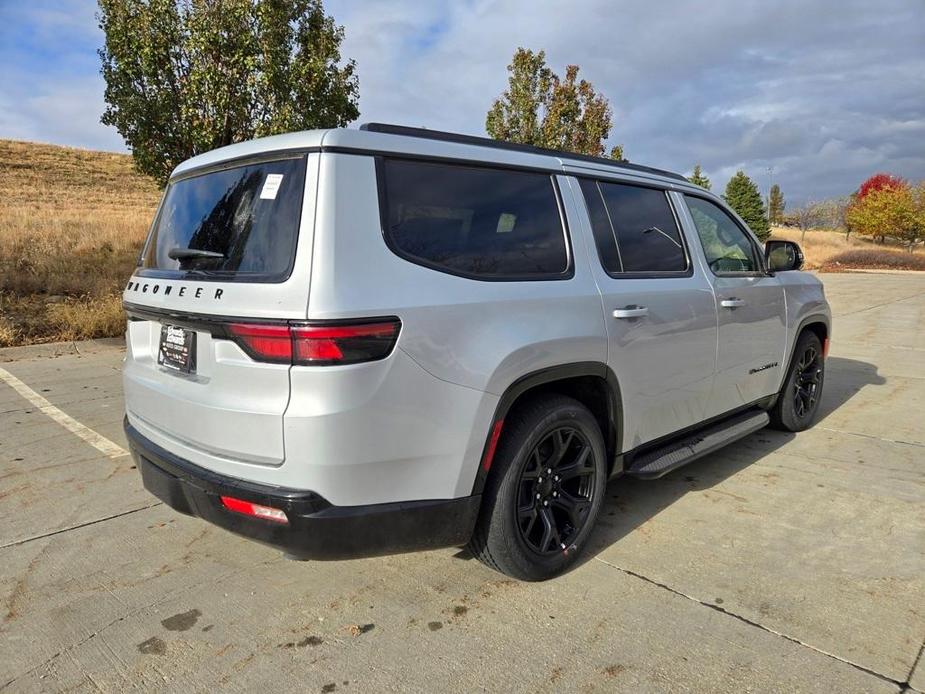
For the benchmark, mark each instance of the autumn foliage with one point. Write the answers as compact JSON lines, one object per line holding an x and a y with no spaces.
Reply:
{"x":888,"y":206}
{"x":880,"y":181}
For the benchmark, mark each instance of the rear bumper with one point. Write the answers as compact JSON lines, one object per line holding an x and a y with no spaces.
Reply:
{"x":316,"y":529}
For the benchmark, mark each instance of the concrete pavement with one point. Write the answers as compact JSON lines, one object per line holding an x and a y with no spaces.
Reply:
{"x":784,"y":563}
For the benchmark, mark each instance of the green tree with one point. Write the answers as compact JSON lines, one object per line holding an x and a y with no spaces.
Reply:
{"x":776,"y":205}
{"x":616,"y":152}
{"x":897,"y":212}
{"x":698,"y":178}
{"x":743,"y":196}
{"x":539,"y":108}
{"x":186,"y":76}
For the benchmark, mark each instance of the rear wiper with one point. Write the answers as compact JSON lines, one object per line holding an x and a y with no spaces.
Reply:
{"x":188,"y":253}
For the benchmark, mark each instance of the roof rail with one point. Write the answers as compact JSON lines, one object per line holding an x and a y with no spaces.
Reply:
{"x":443,"y":136}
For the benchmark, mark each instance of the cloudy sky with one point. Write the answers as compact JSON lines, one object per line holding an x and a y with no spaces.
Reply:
{"x":824,"y":91}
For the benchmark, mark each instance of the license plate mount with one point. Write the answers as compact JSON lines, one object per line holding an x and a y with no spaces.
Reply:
{"x":177,"y":349}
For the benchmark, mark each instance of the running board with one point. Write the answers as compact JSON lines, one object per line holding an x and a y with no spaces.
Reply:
{"x":671,"y":456}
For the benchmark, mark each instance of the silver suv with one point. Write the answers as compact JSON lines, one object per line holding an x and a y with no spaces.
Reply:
{"x":355,"y":342}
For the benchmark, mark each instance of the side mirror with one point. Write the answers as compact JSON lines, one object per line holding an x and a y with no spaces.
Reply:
{"x":782,"y":256}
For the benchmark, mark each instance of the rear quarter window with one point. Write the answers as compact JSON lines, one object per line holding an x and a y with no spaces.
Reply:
{"x":482,"y":223}
{"x":244,"y":219}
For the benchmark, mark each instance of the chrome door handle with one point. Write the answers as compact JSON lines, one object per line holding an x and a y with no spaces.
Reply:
{"x":732,"y":303}
{"x":631,"y":312}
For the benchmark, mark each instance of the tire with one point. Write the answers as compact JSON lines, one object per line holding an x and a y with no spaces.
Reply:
{"x":550,"y":432}
{"x":798,"y":401}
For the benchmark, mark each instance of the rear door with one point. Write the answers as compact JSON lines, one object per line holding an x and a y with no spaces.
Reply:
{"x":752,"y":312}
{"x":658,"y":307}
{"x":230,"y":245}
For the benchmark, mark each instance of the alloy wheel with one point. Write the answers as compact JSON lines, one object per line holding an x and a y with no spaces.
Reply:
{"x":807,"y":382}
{"x":555,"y":491}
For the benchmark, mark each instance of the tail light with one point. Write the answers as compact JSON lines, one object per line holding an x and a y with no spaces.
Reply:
{"x":316,"y":344}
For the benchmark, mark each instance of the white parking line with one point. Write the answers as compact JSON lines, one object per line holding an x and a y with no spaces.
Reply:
{"x":98,"y":441}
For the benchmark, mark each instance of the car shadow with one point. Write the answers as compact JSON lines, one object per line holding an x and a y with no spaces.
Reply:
{"x":629,"y":502}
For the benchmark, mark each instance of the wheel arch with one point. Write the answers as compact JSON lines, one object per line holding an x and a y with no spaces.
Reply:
{"x":818,"y":323}
{"x":594,"y":384}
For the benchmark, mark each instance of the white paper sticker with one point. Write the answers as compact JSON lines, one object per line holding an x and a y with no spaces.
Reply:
{"x":271,"y":186}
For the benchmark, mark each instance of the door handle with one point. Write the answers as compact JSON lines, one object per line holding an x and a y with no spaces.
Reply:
{"x":631,"y":312}
{"x":732,"y":303}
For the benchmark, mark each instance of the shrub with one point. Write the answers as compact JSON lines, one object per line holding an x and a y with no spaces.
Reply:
{"x":87,"y":318}
{"x":874,"y":259}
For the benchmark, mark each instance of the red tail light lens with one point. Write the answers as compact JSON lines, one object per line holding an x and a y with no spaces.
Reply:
{"x":317,"y":345}
{"x":343,"y":344}
{"x":264,"y":342}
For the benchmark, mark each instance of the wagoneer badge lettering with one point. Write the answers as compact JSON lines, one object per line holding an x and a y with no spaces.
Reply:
{"x":763,"y":368}
{"x":168,"y":289}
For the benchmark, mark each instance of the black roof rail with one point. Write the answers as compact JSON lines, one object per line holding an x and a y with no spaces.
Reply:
{"x":442,"y":136}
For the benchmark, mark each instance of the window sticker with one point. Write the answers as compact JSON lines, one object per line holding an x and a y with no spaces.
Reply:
{"x":506,"y":223}
{"x":271,"y":186}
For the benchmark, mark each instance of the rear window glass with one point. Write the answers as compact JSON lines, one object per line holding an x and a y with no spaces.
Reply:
{"x":475,"y":222}
{"x":240,"y":222}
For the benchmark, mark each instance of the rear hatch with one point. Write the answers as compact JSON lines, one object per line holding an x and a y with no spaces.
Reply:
{"x":230,"y":245}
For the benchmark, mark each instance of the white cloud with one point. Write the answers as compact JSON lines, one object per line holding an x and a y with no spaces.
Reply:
{"x":825,"y":94}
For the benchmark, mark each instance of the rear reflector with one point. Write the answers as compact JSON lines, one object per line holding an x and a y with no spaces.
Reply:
{"x":256,"y":510}
{"x":492,"y":445}
{"x":825,"y":348}
{"x":317,"y":344}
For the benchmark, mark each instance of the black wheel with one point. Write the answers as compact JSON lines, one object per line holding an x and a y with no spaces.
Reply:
{"x":798,"y":402}
{"x":544,"y":491}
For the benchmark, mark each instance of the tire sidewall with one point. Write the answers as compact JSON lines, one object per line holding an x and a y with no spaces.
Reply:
{"x":530,"y":565}
{"x":788,"y":415}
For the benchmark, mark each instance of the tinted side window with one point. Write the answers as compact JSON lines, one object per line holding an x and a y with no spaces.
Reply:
{"x":647,"y":234}
{"x":476,"y":222}
{"x":726,"y":246}
{"x":600,"y":225}
{"x":644,"y":236}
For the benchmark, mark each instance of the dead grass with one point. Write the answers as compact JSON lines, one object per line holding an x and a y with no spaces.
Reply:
{"x":821,"y":246}
{"x":87,"y":318}
{"x":71,"y":225}
{"x":874,"y":259}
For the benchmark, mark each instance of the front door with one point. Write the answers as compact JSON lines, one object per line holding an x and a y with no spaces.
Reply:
{"x":658,"y":307}
{"x":750,"y":304}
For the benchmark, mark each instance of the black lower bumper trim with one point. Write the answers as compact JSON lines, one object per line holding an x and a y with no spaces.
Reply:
{"x":317,"y":529}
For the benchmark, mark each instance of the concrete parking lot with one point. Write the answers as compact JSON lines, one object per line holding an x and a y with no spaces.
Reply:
{"x":784,"y":563}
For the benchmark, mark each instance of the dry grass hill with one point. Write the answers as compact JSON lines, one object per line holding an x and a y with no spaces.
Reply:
{"x":71,"y":223}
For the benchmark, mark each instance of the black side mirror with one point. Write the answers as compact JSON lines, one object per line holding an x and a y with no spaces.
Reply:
{"x":782,"y":256}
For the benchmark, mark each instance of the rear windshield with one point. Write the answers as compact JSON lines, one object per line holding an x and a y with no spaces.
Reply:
{"x":239,"y":223}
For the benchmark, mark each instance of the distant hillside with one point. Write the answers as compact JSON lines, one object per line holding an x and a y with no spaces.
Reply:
{"x":71,"y":224}
{"x":39,"y":174}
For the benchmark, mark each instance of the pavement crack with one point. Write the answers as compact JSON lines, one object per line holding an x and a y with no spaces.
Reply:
{"x":757,"y":625}
{"x":16,"y":543}
{"x":915,"y":664}
{"x":885,"y":303}
{"x":872,"y":436}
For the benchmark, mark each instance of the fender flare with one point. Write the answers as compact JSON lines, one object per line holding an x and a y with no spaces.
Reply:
{"x":801,"y":326}
{"x":551,"y":374}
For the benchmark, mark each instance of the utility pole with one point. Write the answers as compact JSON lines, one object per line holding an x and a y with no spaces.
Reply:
{"x":768,"y":200}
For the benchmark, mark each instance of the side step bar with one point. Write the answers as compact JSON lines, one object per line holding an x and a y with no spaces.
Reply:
{"x":673,"y":455}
